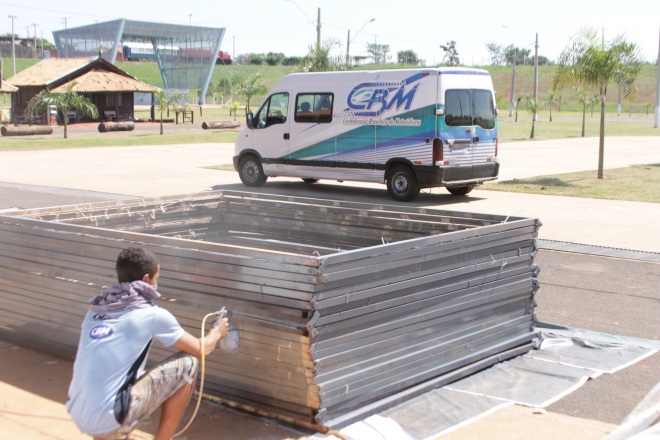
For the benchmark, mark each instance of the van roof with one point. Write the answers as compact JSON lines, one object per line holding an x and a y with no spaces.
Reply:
{"x":433,"y":70}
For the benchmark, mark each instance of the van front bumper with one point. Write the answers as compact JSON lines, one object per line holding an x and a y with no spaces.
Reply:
{"x":434,"y":176}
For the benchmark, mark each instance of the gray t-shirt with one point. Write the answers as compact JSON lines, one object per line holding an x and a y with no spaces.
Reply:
{"x":109,"y":345}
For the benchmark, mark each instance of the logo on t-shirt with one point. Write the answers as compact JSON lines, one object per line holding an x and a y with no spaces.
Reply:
{"x":101,"y":331}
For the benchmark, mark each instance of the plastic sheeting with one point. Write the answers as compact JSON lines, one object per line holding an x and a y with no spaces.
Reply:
{"x":567,"y":358}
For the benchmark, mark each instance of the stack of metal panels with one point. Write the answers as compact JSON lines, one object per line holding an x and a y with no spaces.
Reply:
{"x":343,"y":309}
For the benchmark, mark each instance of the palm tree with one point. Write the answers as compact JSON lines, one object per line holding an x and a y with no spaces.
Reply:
{"x":251,"y":87}
{"x":520,"y":98}
{"x":63,"y":102}
{"x":589,"y":62}
{"x":585,"y":100}
{"x":533,"y":105}
{"x":552,"y":102}
{"x":164,"y":102}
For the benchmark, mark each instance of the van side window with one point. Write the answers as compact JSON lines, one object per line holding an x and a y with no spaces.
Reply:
{"x":469,"y":107}
{"x":314,"y":107}
{"x":273,"y":111}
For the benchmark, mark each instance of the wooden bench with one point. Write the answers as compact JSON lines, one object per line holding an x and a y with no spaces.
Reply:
{"x":186,"y":115}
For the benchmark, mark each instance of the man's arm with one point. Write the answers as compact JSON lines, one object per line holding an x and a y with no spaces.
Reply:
{"x":192,"y":345}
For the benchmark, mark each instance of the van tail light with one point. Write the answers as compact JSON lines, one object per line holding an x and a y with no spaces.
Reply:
{"x":497,"y":144}
{"x":438,"y":153}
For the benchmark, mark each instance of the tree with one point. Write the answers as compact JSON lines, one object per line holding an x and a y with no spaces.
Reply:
{"x":407,"y":57}
{"x":592,"y":63}
{"x":318,"y":58}
{"x":164,"y":101}
{"x":520,"y":98}
{"x":274,"y":59}
{"x":379,"y":52}
{"x":533,"y":106}
{"x":291,"y":61}
{"x":63,"y":102}
{"x":496,"y":53}
{"x":451,"y":54}
{"x":584,"y":99}
{"x":551,"y":102}
{"x":251,"y":87}
{"x":257,"y":59}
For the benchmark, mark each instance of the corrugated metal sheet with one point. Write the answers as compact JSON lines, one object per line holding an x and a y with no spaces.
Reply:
{"x":48,"y":70}
{"x":344,"y":309}
{"x":103,"y":81}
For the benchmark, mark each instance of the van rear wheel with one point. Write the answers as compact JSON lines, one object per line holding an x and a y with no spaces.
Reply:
{"x":402,"y":184}
{"x":251,"y":172}
{"x":460,"y":190}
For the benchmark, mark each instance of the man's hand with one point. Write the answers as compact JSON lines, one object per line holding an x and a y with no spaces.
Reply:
{"x":221,"y":324}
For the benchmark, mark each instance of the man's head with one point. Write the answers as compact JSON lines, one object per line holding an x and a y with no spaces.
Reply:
{"x":135,"y":264}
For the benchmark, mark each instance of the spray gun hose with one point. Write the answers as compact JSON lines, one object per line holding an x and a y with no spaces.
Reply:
{"x":201,"y":382}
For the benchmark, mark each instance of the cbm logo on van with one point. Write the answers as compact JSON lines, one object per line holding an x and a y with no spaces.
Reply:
{"x":101,"y":331}
{"x":373,"y":99}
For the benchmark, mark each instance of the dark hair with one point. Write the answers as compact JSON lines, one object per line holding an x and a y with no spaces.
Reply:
{"x":134,"y":262}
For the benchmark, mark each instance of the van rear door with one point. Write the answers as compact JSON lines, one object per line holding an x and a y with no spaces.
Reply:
{"x":468,"y":128}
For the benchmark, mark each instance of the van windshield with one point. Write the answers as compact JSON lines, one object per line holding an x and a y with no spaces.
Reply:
{"x":469,"y":107}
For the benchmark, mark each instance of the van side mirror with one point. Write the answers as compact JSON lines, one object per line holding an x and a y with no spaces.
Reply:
{"x":249,"y":117}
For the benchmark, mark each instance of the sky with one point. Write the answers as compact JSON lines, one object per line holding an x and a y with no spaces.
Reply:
{"x":289,"y":26}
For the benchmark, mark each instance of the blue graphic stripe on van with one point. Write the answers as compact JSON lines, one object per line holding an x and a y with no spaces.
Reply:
{"x":362,"y":138}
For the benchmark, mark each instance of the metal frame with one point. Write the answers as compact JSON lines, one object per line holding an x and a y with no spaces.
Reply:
{"x":197,"y":48}
{"x":343,"y":309}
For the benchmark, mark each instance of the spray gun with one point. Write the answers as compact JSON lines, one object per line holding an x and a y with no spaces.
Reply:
{"x":228,"y":344}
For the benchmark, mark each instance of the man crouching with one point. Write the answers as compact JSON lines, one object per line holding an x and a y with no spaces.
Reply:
{"x":109,"y":396}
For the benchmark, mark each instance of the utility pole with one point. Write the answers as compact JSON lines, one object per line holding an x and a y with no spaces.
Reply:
{"x":513,"y":83}
{"x":657,"y":91}
{"x":13,"y":44}
{"x":34,"y":50}
{"x":536,"y":73}
{"x":318,"y":30}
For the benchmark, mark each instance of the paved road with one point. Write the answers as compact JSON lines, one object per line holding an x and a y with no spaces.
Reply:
{"x":178,"y":169}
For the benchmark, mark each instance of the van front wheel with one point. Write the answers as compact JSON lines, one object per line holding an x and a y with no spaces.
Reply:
{"x":402,"y":184}
{"x":251,"y":172}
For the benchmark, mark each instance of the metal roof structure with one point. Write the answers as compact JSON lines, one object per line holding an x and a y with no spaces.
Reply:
{"x":186,"y":55}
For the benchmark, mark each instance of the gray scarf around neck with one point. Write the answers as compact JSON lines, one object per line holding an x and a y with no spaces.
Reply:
{"x":124,"y":296}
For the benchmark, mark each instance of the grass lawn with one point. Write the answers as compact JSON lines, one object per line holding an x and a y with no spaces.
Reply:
{"x":637,"y":183}
{"x":116,"y":139}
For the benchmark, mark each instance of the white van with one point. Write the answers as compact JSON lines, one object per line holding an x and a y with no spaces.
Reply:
{"x":409,"y":128}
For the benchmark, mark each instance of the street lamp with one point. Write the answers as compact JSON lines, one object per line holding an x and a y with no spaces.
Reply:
{"x":348,"y":41}
{"x":13,"y":49}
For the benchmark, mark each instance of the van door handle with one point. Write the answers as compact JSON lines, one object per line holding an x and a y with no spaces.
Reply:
{"x":475,"y":139}
{"x":286,"y":136}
